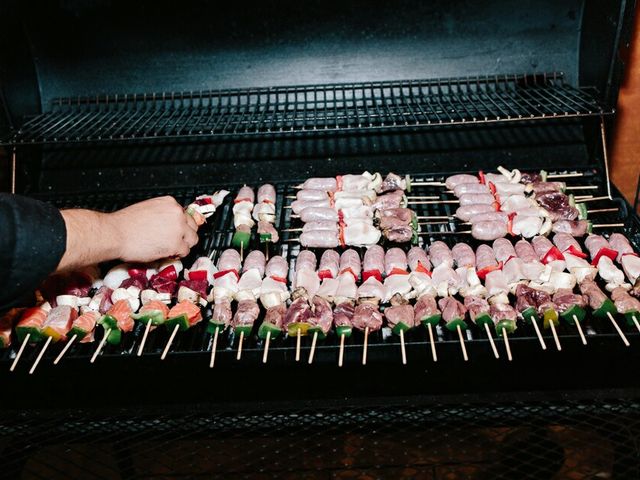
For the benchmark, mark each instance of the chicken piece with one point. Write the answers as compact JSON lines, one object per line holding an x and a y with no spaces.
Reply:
{"x":320,"y":239}
{"x":308,"y":194}
{"x":445,"y":280}
{"x":328,"y":289}
{"x":372,"y":289}
{"x":455,"y":180}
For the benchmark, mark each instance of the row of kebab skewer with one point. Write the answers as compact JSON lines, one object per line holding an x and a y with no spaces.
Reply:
{"x":437,"y":287}
{"x":358,"y":210}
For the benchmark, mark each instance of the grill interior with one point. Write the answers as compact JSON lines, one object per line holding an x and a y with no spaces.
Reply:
{"x":308,"y":109}
{"x":216,"y":236}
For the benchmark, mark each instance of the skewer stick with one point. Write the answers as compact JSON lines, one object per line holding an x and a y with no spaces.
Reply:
{"x":241,"y":251}
{"x":636,"y":323}
{"x":506,"y":344}
{"x":298,"y":346}
{"x":22,"y":347}
{"x":101,"y":345}
{"x":423,"y":197}
{"x":580,"y":332}
{"x":168,"y":345}
{"x":582,"y":187}
{"x":239,"y":355}
{"x":432,"y":343}
{"x":602,"y":210}
{"x":341,"y":354}
{"x":565,"y":175}
{"x":537,"y":329}
{"x":64,"y":350}
{"x":432,"y":202}
{"x":617,"y":327}
{"x":462,"y":345}
{"x":214,"y":347}
{"x":291,"y":230}
{"x":592,"y":199}
{"x":555,"y":335}
{"x":493,"y":345}
{"x":265,"y":355}
{"x":147,"y":328}
{"x":436,"y":217}
{"x":608,"y":225}
{"x":402,"y":348}
{"x":313,"y":347}
{"x":428,"y":184}
{"x":266,"y":251}
{"x":40,"y":355}
{"x":366,"y":345}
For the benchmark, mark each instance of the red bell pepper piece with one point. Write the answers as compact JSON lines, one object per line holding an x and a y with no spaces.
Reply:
{"x":169,"y":273}
{"x":630,"y":253}
{"x":512,"y":215}
{"x":339,"y":182}
{"x":496,"y":206}
{"x":341,"y":234}
{"x":279,"y":279}
{"x":492,"y":188}
{"x":199,"y":275}
{"x":325,"y":274}
{"x":554,"y":253}
{"x":350,"y":271}
{"x":483,"y":272}
{"x":398,"y":271}
{"x":372,"y":273}
{"x":222,"y":273}
{"x":242,"y":199}
{"x":421,"y":268}
{"x":606,"y":252}
{"x":134,"y":272}
{"x":482,"y":178}
{"x":573,"y":250}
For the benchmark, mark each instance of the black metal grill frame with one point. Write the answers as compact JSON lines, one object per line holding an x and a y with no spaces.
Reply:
{"x":308,"y":109}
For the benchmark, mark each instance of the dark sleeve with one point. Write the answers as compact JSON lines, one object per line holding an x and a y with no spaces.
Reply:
{"x":33,"y":240}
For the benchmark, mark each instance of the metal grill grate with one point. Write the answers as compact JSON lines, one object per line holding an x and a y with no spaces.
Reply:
{"x":383,"y":347}
{"x":308,"y":109}
{"x":502,"y":440}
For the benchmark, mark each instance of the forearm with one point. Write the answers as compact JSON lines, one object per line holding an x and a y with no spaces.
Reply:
{"x":92,"y":237}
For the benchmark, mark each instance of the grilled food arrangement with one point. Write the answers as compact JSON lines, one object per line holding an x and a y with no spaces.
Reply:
{"x":362,"y":265}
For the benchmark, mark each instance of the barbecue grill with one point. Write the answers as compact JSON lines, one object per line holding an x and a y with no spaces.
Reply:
{"x":109,"y":103}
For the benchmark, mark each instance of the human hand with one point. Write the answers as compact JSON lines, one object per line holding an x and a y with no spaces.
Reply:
{"x":153,"y":229}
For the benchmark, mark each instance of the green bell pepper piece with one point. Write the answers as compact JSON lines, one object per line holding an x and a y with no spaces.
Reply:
{"x":528,"y":313}
{"x":78,"y":332}
{"x":589,"y":227}
{"x":318,"y":330}
{"x":107,"y":321}
{"x":36,"y":336}
{"x":582,"y":211}
{"x":572,"y":200}
{"x":400,"y":326}
{"x":606,"y":307}
{"x":455,"y":323}
{"x":115,"y":337}
{"x":572,"y":311}
{"x":506,"y":324}
{"x":483,"y":319}
{"x":153,"y":316}
{"x":344,"y":330}
{"x":241,"y":239}
{"x":265,"y":237}
{"x":265,"y":328}
{"x":433,"y":320}
{"x":246,"y":329}
{"x":407,"y":179}
{"x":181,"y":320}
{"x":629,"y":316}
{"x":212,"y":327}
{"x":543,"y":175}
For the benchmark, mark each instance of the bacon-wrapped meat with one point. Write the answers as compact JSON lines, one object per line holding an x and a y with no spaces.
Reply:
{"x":329,"y":264}
{"x":485,"y":260}
{"x":488,"y":230}
{"x":313,"y":214}
{"x":255,"y":260}
{"x":321,"y":225}
{"x":629,"y":260}
{"x":439,"y":253}
{"x":299,"y":205}
{"x":311,"y":195}
{"x":532,"y":268}
{"x":418,"y":260}
{"x":350,"y":262}
{"x":455,"y":180}
{"x":476,"y":199}
{"x":320,"y":239}
{"x":468,"y":212}
{"x":326,"y":184}
{"x":229,"y":261}
{"x":395,"y":261}
{"x":373,"y":263}
{"x":548,"y":253}
{"x":471,"y":188}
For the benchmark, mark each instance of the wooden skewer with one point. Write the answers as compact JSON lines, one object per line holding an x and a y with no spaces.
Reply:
{"x":298,"y":346}
{"x":602,"y":210}
{"x":581,"y":187}
{"x":434,"y":355}
{"x":241,"y":251}
{"x":341,"y":353}
{"x":608,"y":225}
{"x":436,"y":217}
{"x":462,"y":345}
{"x":291,"y":230}
{"x":580,"y":332}
{"x":428,"y":184}
{"x":423,"y":197}
{"x":565,"y":175}
{"x":214,"y":347}
{"x":101,"y":345}
{"x":432,"y":202}
{"x":635,"y":321}
{"x":493,"y":345}
{"x":239,"y":355}
{"x":402,"y":348}
{"x":506,"y":344}
{"x":266,"y":251}
{"x":617,"y":327}
{"x":540,"y":339}
{"x":555,"y":335}
{"x":19,"y":354}
{"x":592,"y":199}
{"x":313,"y":347}
{"x":265,"y":355}
{"x":64,"y":350}
{"x":168,"y":345}
{"x":147,"y":328}
{"x":39,"y":357}
{"x":366,"y":345}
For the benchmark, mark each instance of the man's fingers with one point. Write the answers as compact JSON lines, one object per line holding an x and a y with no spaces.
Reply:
{"x":191,"y":222}
{"x":184,"y":249}
{"x":190,"y":237}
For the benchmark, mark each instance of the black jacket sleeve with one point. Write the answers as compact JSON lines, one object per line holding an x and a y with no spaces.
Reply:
{"x":33,"y":239}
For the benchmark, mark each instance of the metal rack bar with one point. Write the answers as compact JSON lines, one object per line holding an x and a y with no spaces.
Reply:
{"x":302,"y":109}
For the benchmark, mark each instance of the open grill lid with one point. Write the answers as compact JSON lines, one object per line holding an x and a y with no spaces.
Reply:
{"x":89,"y":72}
